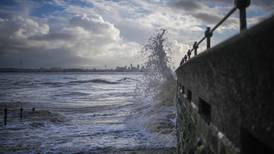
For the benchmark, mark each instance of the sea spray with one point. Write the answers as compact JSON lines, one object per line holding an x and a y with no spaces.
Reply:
{"x":78,"y":117}
{"x":155,"y":108}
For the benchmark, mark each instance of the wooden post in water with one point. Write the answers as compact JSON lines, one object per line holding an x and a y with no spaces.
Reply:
{"x":5,"y":116}
{"x":21,"y":113}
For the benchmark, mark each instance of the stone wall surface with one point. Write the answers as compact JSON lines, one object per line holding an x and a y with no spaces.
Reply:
{"x":232,"y":95}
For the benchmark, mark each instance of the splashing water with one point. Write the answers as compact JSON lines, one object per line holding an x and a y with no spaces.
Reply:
{"x":89,"y":116}
{"x":92,"y":112}
{"x":157,"y":90}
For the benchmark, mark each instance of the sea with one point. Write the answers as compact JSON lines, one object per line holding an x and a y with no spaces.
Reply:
{"x":85,"y":112}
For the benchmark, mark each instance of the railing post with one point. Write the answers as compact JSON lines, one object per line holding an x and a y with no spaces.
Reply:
{"x":195,"y":47}
{"x":242,"y":5}
{"x":208,"y":35}
{"x":5,"y":116}
{"x":189,"y":53}
{"x":21,"y":113}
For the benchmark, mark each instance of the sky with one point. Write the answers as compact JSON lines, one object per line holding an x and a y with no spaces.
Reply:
{"x":109,"y":33}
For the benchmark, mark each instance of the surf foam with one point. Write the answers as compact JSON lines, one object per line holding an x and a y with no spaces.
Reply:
{"x":154,"y":106}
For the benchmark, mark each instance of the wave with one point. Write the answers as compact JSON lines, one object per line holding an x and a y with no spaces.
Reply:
{"x":73,"y":94}
{"x":102,"y":81}
{"x":155,"y":108}
{"x":127,"y":79}
{"x":93,"y":81}
{"x":60,"y":84}
{"x":53,"y":84}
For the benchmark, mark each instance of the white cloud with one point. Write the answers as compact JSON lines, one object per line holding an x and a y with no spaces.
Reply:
{"x":107,"y":32}
{"x":90,"y":38}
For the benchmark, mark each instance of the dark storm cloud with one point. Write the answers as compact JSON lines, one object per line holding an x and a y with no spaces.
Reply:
{"x":207,"y":18}
{"x":196,"y":4}
{"x":201,"y":9}
{"x":36,"y":57}
{"x":186,"y":5}
{"x":264,"y":4}
{"x":213,"y":19}
{"x":53,"y":36}
{"x":196,"y":9}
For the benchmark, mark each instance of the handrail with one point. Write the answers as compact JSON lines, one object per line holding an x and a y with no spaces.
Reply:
{"x":227,"y":15}
{"x":238,"y":4}
{"x":201,"y":40}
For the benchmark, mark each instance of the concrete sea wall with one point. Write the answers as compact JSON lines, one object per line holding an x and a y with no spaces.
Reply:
{"x":225,"y":96}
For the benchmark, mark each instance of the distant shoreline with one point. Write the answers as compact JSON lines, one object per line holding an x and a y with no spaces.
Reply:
{"x":60,"y":70}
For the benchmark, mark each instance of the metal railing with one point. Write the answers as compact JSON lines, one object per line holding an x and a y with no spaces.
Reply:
{"x":238,"y":4}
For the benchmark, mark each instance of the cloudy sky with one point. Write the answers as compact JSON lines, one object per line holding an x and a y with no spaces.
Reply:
{"x":95,"y":33}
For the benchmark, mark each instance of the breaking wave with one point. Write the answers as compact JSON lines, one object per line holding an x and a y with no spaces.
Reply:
{"x":127,"y":79}
{"x":99,"y":81}
{"x":93,"y":81}
{"x":155,"y":107}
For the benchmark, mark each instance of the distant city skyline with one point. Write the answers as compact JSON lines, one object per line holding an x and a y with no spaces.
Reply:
{"x":128,"y":66}
{"x":99,"y":33}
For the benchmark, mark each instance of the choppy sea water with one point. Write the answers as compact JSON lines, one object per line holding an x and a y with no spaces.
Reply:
{"x":75,"y":112}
